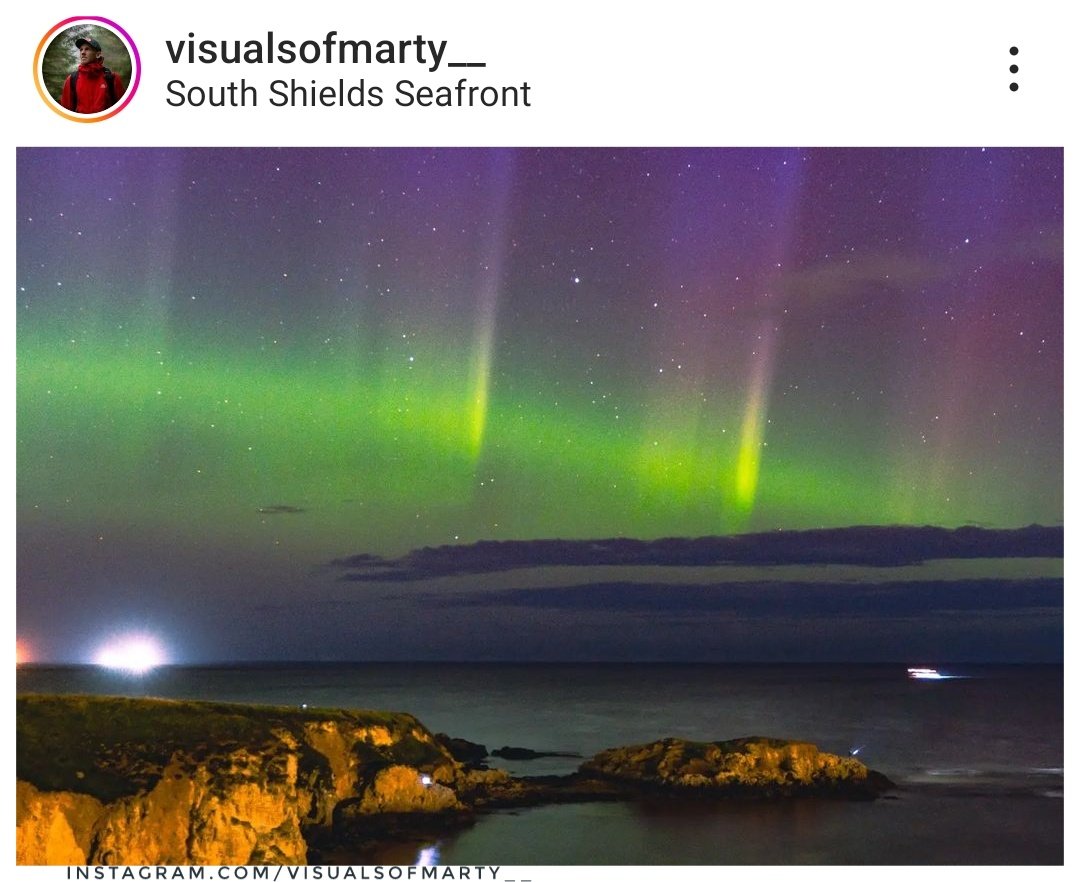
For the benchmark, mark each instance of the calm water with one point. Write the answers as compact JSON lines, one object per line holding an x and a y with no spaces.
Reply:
{"x":979,"y":759}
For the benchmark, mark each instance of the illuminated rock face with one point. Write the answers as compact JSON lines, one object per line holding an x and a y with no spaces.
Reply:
{"x":190,"y":816}
{"x":766,"y":766}
{"x":144,"y":781}
{"x":53,"y":828}
{"x":239,"y":813}
{"x":398,"y":789}
{"x":220,"y":784}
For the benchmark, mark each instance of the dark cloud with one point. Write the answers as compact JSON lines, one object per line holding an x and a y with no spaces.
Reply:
{"x":771,"y":599}
{"x":862,"y":546}
{"x":358,"y":560}
{"x":281,"y":509}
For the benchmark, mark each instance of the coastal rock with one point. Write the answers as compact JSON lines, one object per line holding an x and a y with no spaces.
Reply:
{"x":146,"y":781}
{"x":763,"y":766}
{"x":524,"y":753}
{"x":401,"y":789}
{"x":105,"y":780}
{"x":472,"y":754}
{"x":190,"y":816}
{"x":243,"y":810}
{"x":468,"y":752}
{"x":53,"y":828}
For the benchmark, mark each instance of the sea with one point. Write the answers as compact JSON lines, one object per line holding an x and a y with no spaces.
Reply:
{"x":978,"y":756}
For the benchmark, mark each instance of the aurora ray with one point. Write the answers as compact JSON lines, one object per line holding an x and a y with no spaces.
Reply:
{"x":237,"y":365}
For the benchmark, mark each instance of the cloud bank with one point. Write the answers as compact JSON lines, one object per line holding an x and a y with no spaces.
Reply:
{"x":889,"y":546}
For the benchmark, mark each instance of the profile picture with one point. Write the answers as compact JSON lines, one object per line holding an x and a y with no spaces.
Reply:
{"x":87,"y":69}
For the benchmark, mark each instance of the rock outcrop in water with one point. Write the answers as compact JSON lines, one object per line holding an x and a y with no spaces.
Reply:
{"x":743,"y":766}
{"x":147,"y":781}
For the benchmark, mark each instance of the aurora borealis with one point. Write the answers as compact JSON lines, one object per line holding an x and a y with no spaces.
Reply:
{"x":236,"y":366}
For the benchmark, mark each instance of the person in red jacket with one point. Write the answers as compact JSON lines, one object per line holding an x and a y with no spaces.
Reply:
{"x":92,"y":87}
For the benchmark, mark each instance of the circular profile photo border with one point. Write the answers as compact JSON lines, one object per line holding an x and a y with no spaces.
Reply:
{"x":129,"y":93}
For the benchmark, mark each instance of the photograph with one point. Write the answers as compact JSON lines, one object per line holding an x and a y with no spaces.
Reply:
{"x":537,"y":506}
{"x":86,"y":69}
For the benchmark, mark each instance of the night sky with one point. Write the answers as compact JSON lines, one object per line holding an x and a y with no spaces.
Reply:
{"x":238,"y":369}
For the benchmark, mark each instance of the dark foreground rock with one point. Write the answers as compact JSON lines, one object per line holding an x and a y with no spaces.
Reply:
{"x":472,"y":754}
{"x":146,"y":781}
{"x":468,"y":752}
{"x":524,"y":753}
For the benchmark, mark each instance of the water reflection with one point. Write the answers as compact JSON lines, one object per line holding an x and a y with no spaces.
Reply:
{"x":428,"y":857}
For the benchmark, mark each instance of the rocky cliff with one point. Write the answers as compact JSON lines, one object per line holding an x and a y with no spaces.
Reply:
{"x":146,"y":781}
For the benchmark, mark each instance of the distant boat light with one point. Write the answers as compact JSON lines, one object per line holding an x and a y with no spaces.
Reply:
{"x":132,"y":653}
{"x":924,"y":674}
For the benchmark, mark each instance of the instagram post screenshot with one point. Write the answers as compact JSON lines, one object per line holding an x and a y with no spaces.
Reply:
{"x":537,"y":443}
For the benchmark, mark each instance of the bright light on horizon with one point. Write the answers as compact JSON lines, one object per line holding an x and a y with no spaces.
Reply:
{"x":132,"y":653}
{"x":931,"y":674}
